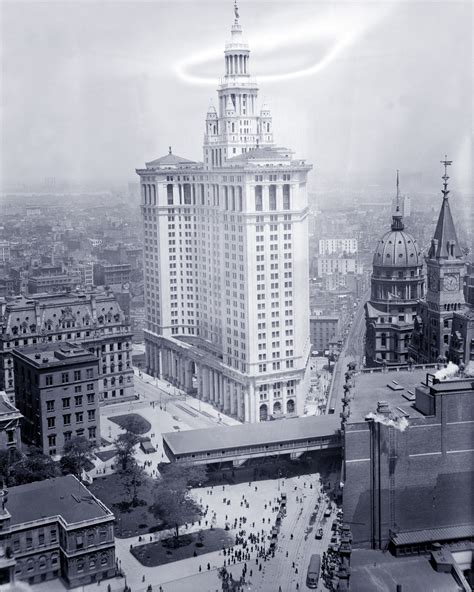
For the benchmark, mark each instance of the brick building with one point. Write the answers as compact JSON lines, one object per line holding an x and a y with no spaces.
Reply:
{"x":408,"y":460}
{"x":55,"y":529}
{"x":93,"y":319}
{"x":57,"y":393}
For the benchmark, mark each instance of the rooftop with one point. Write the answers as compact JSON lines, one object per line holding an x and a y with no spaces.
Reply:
{"x":64,"y":496}
{"x":51,"y":355}
{"x":284,"y":430}
{"x":397,"y":387}
{"x":376,"y":571}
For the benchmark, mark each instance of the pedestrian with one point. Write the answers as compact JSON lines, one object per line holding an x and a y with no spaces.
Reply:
{"x":208,"y":566}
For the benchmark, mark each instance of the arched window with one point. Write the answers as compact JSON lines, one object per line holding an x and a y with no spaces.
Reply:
{"x":169,"y":194}
{"x":263,"y":412}
{"x":286,"y":197}
{"x":290,"y":406}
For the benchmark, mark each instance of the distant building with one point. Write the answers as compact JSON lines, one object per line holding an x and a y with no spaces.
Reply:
{"x":52,"y":283}
{"x":330,"y":246}
{"x":56,"y":390}
{"x":4,"y":252}
{"x":55,"y":529}
{"x":323,"y":330}
{"x":10,"y":420}
{"x":93,"y":319}
{"x":397,"y":284}
{"x":106,"y":274}
{"x":337,"y":264}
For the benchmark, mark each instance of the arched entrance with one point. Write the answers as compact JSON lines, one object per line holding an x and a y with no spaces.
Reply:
{"x":277,"y":408}
{"x":290,"y":406}
{"x":263,"y":412}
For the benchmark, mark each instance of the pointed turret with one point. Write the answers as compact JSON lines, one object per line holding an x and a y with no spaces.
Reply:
{"x":444,"y":244}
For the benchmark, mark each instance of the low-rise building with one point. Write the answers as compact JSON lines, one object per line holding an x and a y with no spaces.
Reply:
{"x":55,"y":529}
{"x":106,"y":274}
{"x":93,"y":319}
{"x":57,"y":393}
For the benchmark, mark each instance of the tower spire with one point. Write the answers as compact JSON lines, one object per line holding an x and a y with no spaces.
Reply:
{"x":446,"y":163}
{"x":397,"y":221}
{"x":236,"y":12}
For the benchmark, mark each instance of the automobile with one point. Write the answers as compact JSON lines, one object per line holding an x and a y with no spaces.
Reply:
{"x":327,"y":512}
{"x":319,"y":534}
{"x":334,"y":525}
{"x":316,"y":507}
{"x":334,"y":539}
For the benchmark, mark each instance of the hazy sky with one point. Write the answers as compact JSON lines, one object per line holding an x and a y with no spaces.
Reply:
{"x":91,"y":90}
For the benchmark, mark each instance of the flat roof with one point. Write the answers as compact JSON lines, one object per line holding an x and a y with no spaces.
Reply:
{"x":376,"y":571}
{"x":64,"y":496}
{"x":50,"y":355}
{"x":393,"y":386}
{"x":252,"y":434}
{"x":371,"y":387}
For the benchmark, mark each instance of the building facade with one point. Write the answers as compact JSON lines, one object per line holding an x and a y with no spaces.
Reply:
{"x":10,"y":420}
{"x":93,"y":319}
{"x":55,"y":529}
{"x":446,"y":270}
{"x":57,"y":393}
{"x":330,"y":246}
{"x":397,"y":284}
{"x":226,"y":259}
{"x":323,"y":330}
{"x":408,"y":464}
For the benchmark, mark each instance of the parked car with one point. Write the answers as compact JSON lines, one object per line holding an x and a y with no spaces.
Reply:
{"x":319,"y":534}
{"x":327,"y":512}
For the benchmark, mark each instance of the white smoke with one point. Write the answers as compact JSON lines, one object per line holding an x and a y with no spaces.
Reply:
{"x":399,"y":424}
{"x":448,"y":372}
{"x":469,"y":371}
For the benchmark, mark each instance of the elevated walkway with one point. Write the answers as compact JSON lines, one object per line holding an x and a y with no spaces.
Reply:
{"x":239,"y":443}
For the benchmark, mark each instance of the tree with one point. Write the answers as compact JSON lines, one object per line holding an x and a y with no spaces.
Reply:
{"x":133,"y":479}
{"x":77,"y":454}
{"x":7,"y":459}
{"x":173,"y":501}
{"x":35,"y":467}
{"x":125,"y":445}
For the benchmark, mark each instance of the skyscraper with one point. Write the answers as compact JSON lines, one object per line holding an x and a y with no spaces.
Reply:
{"x":226,"y":258}
{"x":397,"y":284}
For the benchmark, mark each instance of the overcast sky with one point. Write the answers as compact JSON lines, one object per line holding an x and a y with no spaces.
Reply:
{"x":92,"y":90}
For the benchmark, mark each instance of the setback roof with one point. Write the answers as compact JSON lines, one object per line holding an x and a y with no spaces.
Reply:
{"x":169,"y":159}
{"x":252,"y":434}
{"x":267,"y":153}
{"x":447,"y":533}
{"x":64,"y":496}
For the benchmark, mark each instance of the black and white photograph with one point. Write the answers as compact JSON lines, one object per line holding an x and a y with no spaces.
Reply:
{"x":236,"y":296}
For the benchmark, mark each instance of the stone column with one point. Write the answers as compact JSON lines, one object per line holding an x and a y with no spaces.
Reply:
{"x":233,"y":399}
{"x":249,"y":414}
{"x":205,"y":383}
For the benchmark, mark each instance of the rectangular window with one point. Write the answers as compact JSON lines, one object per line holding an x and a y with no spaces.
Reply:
{"x":66,"y":403}
{"x":91,"y":415}
{"x":51,"y":422}
{"x":49,"y":380}
{"x":49,"y":405}
{"x":258,"y":198}
{"x":67,"y":419}
{"x":78,"y":388}
{"x":77,"y":375}
{"x":65,"y":377}
{"x":79,"y":417}
{"x":90,"y":373}
{"x":78,"y":400}
{"x":90,"y":398}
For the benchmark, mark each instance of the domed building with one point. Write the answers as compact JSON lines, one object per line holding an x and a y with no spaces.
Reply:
{"x":397,"y":284}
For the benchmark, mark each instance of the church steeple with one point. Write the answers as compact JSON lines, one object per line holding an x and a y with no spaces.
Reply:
{"x":397,"y":218}
{"x":444,"y":244}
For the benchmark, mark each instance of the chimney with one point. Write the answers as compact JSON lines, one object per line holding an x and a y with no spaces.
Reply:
{"x":383,"y":408}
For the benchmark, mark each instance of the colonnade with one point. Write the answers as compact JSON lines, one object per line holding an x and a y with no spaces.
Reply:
{"x":201,"y":381}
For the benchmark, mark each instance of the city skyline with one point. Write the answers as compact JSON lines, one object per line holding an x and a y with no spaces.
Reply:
{"x":91,"y":97}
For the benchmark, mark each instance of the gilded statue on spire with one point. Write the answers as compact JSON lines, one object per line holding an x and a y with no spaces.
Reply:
{"x":236,"y":11}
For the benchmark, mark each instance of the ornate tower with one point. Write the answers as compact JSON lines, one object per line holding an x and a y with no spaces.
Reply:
{"x":446,"y":269}
{"x":396,"y":285}
{"x":239,"y":126}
